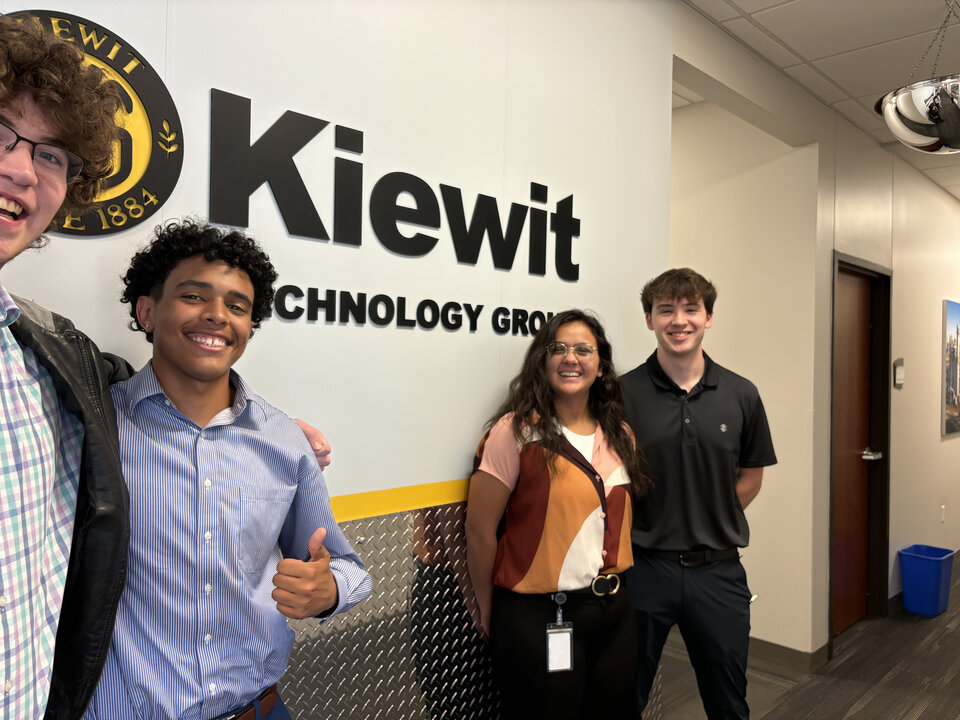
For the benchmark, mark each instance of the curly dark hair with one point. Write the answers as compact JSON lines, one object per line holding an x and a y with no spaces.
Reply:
{"x":679,"y":284}
{"x":77,"y":100}
{"x":177,"y":241}
{"x":530,"y":398}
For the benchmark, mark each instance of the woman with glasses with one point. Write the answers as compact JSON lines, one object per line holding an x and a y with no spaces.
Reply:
{"x":548,"y":530}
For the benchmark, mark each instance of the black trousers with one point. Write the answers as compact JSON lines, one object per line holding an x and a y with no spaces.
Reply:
{"x":604,"y":653}
{"x":711,"y":606}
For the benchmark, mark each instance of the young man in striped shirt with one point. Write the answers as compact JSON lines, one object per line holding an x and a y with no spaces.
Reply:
{"x":232,"y":531}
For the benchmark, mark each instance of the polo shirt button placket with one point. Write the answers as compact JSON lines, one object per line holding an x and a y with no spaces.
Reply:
{"x":685,"y":414}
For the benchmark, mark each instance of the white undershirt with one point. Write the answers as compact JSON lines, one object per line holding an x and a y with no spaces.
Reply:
{"x":583,"y":443}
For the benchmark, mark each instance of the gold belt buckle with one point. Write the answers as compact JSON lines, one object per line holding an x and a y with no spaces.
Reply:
{"x":605,"y":585}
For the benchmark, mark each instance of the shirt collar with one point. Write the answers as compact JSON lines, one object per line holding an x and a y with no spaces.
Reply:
{"x":145,"y":385}
{"x":663,"y":381}
{"x":9,"y":312}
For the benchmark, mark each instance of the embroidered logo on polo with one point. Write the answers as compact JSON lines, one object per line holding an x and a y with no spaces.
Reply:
{"x":148,"y":157}
{"x":723,"y":427}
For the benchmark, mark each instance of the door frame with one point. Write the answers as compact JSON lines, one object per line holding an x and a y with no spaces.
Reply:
{"x":878,"y":542}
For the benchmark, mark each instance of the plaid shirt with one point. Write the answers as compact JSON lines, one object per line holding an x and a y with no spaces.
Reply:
{"x":40,"y":451}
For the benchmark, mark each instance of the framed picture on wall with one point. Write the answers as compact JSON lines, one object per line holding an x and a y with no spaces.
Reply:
{"x":950,"y":397}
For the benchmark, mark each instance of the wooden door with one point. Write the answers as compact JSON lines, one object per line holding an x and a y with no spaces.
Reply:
{"x":851,"y":436}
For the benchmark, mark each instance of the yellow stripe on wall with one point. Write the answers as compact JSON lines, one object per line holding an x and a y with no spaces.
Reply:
{"x":385,"y":502}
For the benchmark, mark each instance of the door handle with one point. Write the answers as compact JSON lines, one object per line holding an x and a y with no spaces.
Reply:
{"x":871,"y":455}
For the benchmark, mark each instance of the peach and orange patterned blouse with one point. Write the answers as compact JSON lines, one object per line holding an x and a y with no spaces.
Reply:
{"x":564,"y":524}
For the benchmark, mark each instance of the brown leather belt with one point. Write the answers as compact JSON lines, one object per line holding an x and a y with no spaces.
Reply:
{"x":268,"y":698}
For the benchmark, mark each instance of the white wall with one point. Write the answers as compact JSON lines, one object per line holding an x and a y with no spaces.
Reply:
{"x":923,"y":466}
{"x":864,"y":197}
{"x":484,"y":95}
{"x":743,"y":213}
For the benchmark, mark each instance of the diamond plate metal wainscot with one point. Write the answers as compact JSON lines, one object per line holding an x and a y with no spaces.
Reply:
{"x":411,"y":649}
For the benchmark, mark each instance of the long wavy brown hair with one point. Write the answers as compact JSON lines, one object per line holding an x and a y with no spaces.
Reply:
{"x":530,"y":398}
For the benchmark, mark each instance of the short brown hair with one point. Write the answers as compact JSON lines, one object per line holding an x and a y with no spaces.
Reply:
{"x":77,"y":100}
{"x":679,"y":284}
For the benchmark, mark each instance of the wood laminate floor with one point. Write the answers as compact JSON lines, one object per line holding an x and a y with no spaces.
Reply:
{"x":902,"y":667}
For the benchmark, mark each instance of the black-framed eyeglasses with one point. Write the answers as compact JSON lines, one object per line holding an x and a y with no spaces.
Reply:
{"x":49,"y":159}
{"x":581,"y":350}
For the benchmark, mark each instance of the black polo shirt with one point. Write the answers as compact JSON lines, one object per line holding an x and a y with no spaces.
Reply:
{"x":695,"y":444}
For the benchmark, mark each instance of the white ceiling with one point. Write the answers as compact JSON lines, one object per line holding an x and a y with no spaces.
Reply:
{"x":848,"y":53}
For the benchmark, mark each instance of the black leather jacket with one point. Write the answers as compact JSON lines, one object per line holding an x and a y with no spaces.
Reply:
{"x":98,"y":557}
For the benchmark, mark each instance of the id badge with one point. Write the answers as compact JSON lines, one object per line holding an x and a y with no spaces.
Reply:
{"x":559,"y":647}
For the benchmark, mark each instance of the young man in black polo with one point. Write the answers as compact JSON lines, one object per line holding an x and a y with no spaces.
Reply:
{"x":704,"y":432}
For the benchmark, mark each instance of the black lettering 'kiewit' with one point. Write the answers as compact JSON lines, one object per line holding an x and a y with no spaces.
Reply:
{"x":148,"y":156}
{"x":332,"y":307}
{"x":238,"y":167}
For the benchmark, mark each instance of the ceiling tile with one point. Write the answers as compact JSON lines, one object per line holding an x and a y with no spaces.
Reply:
{"x":761,"y":42}
{"x":945,"y":176}
{"x":820,"y":28}
{"x":859,"y":115}
{"x":821,"y":86}
{"x":879,"y":69}
{"x":923,"y":160}
{"x":751,"y":6}
{"x":717,"y":9}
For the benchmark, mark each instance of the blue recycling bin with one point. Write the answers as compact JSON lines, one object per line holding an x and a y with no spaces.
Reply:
{"x":926,"y":578}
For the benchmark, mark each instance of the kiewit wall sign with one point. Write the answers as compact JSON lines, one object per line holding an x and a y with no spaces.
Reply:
{"x":149,"y":154}
{"x":426,"y":202}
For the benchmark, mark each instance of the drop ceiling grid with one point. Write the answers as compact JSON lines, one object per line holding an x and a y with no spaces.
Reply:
{"x":848,"y":53}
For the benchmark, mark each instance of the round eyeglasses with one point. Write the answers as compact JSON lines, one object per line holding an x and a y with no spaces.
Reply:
{"x":50,"y":160}
{"x":581,"y":350}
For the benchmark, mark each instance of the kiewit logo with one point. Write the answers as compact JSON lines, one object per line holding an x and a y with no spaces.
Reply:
{"x":149,"y":155}
{"x":723,"y":427}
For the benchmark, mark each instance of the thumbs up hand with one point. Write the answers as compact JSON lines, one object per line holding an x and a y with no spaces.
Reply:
{"x":305,"y":589}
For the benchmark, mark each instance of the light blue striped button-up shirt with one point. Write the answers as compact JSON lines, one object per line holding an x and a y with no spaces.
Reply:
{"x":212,"y":511}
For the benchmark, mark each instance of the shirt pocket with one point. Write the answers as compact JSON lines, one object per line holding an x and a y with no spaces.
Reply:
{"x":262,"y":514}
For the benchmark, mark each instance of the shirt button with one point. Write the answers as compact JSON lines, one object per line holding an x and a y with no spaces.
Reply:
{"x":8,"y":686}
{"x":207,"y":588}
{"x":3,"y":601}
{"x":687,"y":420}
{"x":206,"y":482}
{"x":597,"y":477}
{"x":166,"y":402}
{"x":602,"y":515}
{"x":207,"y":535}
{"x":603,"y":553}
{"x":207,"y":638}
{"x":213,"y":688}
{"x":202,"y":436}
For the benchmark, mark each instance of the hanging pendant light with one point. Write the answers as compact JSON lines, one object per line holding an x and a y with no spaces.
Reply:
{"x":925,"y":115}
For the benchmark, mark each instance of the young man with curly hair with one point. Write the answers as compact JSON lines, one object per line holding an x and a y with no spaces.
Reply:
{"x":63,"y":505}
{"x":232,"y":530}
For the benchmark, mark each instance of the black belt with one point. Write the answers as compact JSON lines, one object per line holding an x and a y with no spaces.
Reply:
{"x":600,"y":586}
{"x":693,"y":558}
